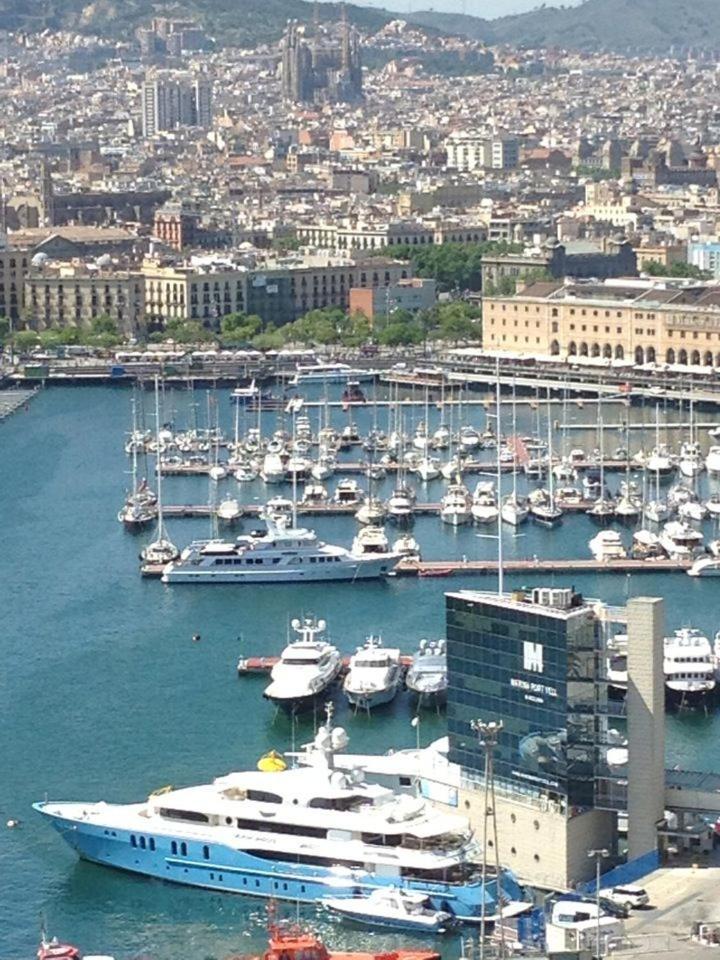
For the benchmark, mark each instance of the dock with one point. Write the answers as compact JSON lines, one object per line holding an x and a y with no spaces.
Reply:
{"x":180,"y":510}
{"x":12,"y":400}
{"x":447,"y":568}
{"x":249,"y":666}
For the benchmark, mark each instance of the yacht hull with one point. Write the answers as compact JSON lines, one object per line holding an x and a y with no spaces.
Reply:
{"x":362,"y":569}
{"x":229,"y":869}
{"x":368,"y":699}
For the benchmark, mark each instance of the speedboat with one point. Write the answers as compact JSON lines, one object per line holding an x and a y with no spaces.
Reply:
{"x":371,"y":539}
{"x":307,"y":667}
{"x":394,"y":907}
{"x":607,"y":545}
{"x":455,"y":505}
{"x":324,"y":467}
{"x":514,"y":510}
{"x":692,"y":510}
{"x":374,"y":675}
{"x":441,"y":438}
{"x":469,"y":439}
{"x":314,"y":494}
{"x":246,"y":472}
{"x":273,"y":468}
{"x":691,"y":459}
{"x":427,"y":674}
{"x":453,"y":468}
{"x":484,"y":507}
{"x":292,"y":834}
{"x":646,"y":544}
{"x":705,"y":567}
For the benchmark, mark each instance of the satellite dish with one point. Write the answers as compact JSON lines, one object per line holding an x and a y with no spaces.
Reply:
{"x":295,"y":624}
{"x":321,"y":624}
{"x":423,"y":644}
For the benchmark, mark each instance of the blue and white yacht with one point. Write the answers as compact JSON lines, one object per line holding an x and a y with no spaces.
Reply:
{"x":302,"y":834}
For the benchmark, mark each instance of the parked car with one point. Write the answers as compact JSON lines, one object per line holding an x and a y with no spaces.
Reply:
{"x":634,"y":897}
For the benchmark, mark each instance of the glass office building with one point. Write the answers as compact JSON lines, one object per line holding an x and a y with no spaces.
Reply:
{"x":534,"y":661}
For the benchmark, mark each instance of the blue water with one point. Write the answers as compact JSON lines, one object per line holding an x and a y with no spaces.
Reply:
{"x":103,"y":694}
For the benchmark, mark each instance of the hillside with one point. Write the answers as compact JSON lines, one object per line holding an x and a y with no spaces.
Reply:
{"x":240,"y":22}
{"x":620,"y":25}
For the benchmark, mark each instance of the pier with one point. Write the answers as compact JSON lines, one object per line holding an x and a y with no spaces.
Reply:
{"x":180,"y":510}
{"x":446,"y":568}
{"x":12,"y":400}
{"x":249,"y":666}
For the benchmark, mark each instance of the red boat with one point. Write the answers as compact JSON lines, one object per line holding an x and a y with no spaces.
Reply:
{"x":294,"y":943}
{"x":54,"y":950}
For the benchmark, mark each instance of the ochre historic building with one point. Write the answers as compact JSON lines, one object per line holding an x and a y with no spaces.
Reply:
{"x":675,"y":322}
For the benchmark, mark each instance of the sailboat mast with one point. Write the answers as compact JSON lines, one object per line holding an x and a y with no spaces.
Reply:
{"x":158,"y":457}
{"x":501,"y":578}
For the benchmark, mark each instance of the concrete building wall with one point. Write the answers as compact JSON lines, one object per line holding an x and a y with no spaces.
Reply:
{"x":646,"y":723}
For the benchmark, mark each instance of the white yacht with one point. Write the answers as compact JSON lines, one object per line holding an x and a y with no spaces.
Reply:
{"x":659,"y":461}
{"x":401,"y":503}
{"x":370,"y":539}
{"x":371,"y":510}
{"x":136,"y":514}
{"x":484,"y":507}
{"x":407,"y":547}
{"x":314,"y":494}
{"x":246,"y":471}
{"x":712,"y":504}
{"x":441,"y":437}
{"x":322,"y":372}
{"x":453,"y":468}
{"x":324,"y":467}
{"x":374,"y":675}
{"x":348,"y":492}
{"x":679,"y":540}
{"x":273,"y":468}
{"x":514,"y":510}
{"x":229,"y":510}
{"x":295,"y":834}
{"x":283,"y":555}
{"x":656,"y":511}
{"x":689,"y":666}
{"x":308,"y":666}
{"x":607,"y":545}
{"x":692,"y":510}
{"x":691,"y":459}
{"x":427,"y":676}
{"x":469,"y":439}
{"x":428,"y":469}
{"x":455,"y":507}
{"x":705,"y":567}
{"x":712,"y":460}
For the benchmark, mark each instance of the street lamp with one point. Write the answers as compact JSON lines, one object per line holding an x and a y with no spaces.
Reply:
{"x":487,"y":734}
{"x":600,"y":854}
{"x":415,"y":723}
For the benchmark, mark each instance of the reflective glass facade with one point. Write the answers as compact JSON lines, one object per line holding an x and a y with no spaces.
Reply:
{"x":537,"y":669}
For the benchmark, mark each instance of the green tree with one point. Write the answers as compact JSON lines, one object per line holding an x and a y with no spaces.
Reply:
{"x":25,"y":340}
{"x":4,"y":329}
{"x":269,"y":340}
{"x":455,"y":266}
{"x":187,"y":331}
{"x":239,"y":328}
{"x":679,"y":269}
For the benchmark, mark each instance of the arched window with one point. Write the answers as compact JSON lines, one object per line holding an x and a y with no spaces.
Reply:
{"x":650,"y":355}
{"x":554,"y":348}
{"x":682,"y":357}
{"x":572,"y":349}
{"x":695,"y":358}
{"x":619,"y":353}
{"x":639,"y":355}
{"x":708,"y":359}
{"x":583,"y":349}
{"x":607,"y":351}
{"x":595,"y":350}
{"x":670,"y":356}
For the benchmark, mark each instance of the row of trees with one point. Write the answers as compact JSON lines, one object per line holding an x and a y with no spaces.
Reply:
{"x":455,"y":266}
{"x":103,"y":333}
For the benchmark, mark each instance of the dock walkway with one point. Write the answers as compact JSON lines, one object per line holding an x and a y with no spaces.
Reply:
{"x":12,"y":400}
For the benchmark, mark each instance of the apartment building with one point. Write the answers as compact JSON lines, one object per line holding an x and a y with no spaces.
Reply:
{"x":366,"y":236}
{"x":674,"y":322}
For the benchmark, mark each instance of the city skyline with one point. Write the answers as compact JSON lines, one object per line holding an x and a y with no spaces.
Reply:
{"x":483,"y":9}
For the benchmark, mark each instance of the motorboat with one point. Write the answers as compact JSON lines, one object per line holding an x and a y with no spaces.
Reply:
{"x":678,"y":494}
{"x":691,"y":460}
{"x":229,"y":510}
{"x":453,"y":468}
{"x":514,"y":510}
{"x":373,"y":676}
{"x":348,"y":492}
{"x":246,"y":395}
{"x":375,"y":471}
{"x":375,"y":441}
{"x":705,"y":567}
{"x":401,"y":503}
{"x":273,"y":468}
{"x":246,"y":472}
{"x":441,"y":437}
{"x":421,"y":440}
{"x":679,"y":540}
{"x":646,"y":545}
{"x":659,"y":462}
{"x":371,"y":539}
{"x":428,"y":468}
{"x":53,"y":949}
{"x":314,"y":494}
{"x":298,"y":466}
{"x":407,"y":547}
{"x":591,"y":485}
{"x":278,"y":508}
{"x":328,"y":372}
{"x":217,"y":472}
{"x":427,"y":677}
{"x":692,"y":510}
{"x":308,"y":666}
{"x":324,"y":467}
{"x":352,"y":394}
{"x":546,"y":512}
{"x":484,"y":508}
{"x":607,"y":545}
{"x":569,"y":496}
{"x":285,"y":554}
{"x":394,"y":907}
{"x":712,"y":460}
{"x":349,"y":435}
{"x":469,"y":439}
{"x":455,"y":507}
{"x":712,"y":505}
{"x":689,"y":666}
{"x":565,"y":472}
{"x":602,"y":511}
{"x":656,"y":511}
{"x":371,"y":510}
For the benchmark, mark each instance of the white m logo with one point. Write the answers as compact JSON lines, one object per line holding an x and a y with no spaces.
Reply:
{"x":533,"y":657}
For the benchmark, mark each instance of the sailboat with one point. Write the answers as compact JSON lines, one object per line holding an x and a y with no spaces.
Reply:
{"x":139,"y":507}
{"x":691,"y":458}
{"x":162,"y":549}
{"x":514,"y":509}
{"x":603,"y":509}
{"x":657,"y":510}
{"x":546,"y":511}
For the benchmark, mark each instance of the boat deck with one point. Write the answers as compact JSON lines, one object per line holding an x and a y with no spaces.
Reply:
{"x":253,"y":665}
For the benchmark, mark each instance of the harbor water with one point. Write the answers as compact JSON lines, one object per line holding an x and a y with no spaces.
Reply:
{"x":105,"y":695}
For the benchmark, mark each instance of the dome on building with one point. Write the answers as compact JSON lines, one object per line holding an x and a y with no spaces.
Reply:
{"x":105,"y":260}
{"x":39,"y":259}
